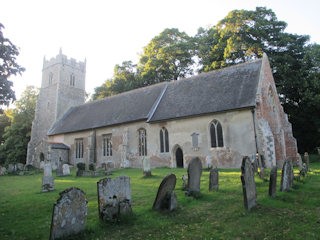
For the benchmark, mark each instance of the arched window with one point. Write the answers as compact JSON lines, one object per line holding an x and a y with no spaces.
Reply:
{"x":72,"y":80}
{"x":142,"y":142}
{"x":164,"y":140}
{"x":50,"y":78}
{"x":216,"y":134}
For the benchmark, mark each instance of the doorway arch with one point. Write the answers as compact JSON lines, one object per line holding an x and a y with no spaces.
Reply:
{"x":41,"y":157}
{"x":179,"y":157}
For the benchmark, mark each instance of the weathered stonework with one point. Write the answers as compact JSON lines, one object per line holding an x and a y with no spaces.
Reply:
{"x":114,"y":197}
{"x":194,"y":175}
{"x":166,"y":199}
{"x":214,"y":180}
{"x":57,"y":94}
{"x":287,"y":175}
{"x":262,"y":128}
{"x":248,"y":184}
{"x":273,"y":182}
{"x":69,"y":213}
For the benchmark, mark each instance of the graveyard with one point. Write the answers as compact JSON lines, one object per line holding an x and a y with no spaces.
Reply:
{"x":26,"y":212}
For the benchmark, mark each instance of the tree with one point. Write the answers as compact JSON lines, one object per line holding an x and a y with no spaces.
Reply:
{"x":245,"y":35}
{"x":124,"y":79}
{"x":4,"y":122}
{"x":17,"y":135}
{"x":169,"y":56}
{"x":8,"y":67}
{"x":305,"y":113}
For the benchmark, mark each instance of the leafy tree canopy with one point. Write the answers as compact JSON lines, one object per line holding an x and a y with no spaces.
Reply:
{"x":17,"y":135}
{"x":167,"y":57}
{"x":8,"y":67}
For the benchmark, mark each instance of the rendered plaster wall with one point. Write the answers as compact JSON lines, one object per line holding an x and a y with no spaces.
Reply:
{"x":238,"y":136}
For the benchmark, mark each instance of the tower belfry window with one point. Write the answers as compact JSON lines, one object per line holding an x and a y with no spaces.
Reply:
{"x":72,"y":80}
{"x":50,"y":78}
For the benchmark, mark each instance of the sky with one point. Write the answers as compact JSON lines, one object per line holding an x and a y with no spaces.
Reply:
{"x":106,"y":33}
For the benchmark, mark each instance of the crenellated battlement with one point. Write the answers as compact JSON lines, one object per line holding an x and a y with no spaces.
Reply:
{"x":63,"y":59}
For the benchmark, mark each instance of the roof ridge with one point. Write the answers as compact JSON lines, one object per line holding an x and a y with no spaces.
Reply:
{"x":124,"y":93}
{"x":221,"y":69}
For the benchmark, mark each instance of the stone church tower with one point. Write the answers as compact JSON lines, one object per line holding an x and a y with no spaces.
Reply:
{"x":62,"y":86}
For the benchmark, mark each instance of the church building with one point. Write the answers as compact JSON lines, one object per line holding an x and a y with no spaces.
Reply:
{"x":219,"y":116}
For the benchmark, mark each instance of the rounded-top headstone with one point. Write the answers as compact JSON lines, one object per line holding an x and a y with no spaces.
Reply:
{"x":166,"y":188}
{"x":194,"y":175}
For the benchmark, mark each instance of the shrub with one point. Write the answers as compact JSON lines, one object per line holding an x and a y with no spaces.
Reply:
{"x":92,"y":167}
{"x":81,"y":166}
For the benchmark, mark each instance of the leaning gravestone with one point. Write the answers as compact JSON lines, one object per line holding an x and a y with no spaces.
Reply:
{"x":286,"y":175}
{"x":194,"y":175}
{"x":47,"y":179}
{"x":65,"y":169}
{"x":114,"y":197}
{"x":166,"y":199}
{"x":146,"y":167}
{"x":248,"y":184}
{"x":69,"y":213}
{"x":214,"y":180}
{"x":273,"y":182}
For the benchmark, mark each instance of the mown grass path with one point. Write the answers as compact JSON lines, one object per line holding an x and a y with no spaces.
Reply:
{"x":25,"y":213}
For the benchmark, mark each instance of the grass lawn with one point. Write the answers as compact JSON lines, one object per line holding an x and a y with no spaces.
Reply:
{"x":25,"y":213}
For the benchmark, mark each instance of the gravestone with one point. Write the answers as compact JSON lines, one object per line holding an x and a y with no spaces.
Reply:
{"x":114,"y":197}
{"x":306,"y":159}
{"x":65,"y":169}
{"x":184,"y":181}
{"x":47,"y":179}
{"x":69,"y":213}
{"x":262,"y":173}
{"x":194,"y":175}
{"x":59,"y":171}
{"x":3,"y":171}
{"x":47,"y":184}
{"x":104,"y":166}
{"x":166,"y":199}
{"x":273,"y":182}
{"x":248,"y":184}
{"x":208,"y":162}
{"x":146,"y":166}
{"x":286,"y":175}
{"x":214,"y":180}
{"x":41,"y":164}
{"x":47,"y":170}
{"x":11,"y":168}
{"x":20,"y":166}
